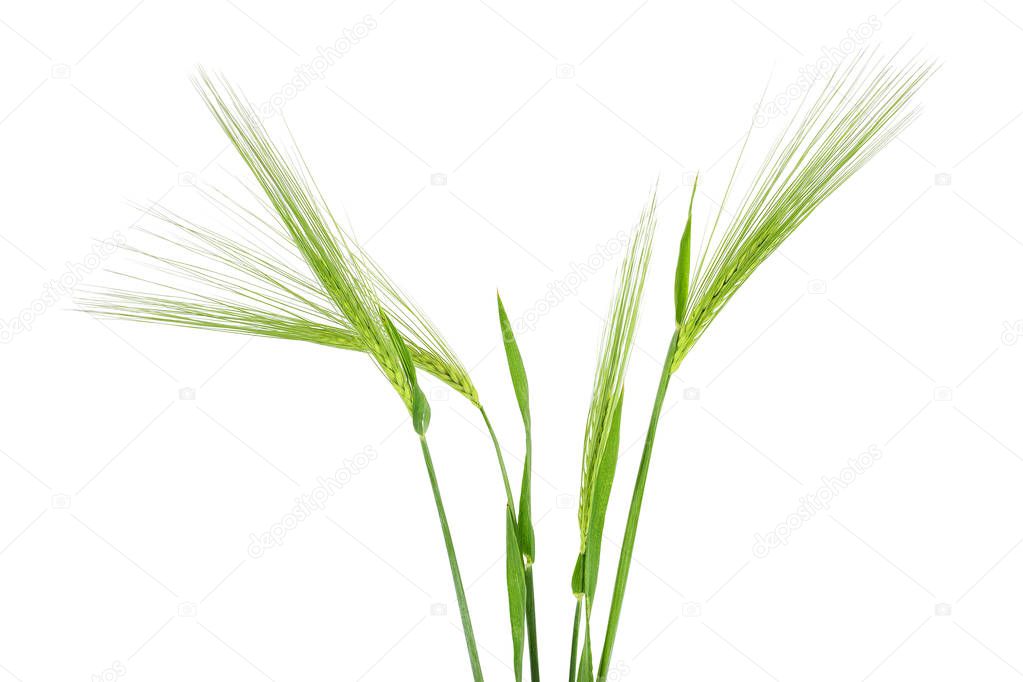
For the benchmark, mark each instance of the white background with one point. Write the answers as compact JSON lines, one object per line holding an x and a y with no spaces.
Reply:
{"x":890,"y":320}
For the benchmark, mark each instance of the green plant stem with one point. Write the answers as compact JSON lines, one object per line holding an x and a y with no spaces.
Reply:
{"x":629,"y":540}
{"x":534,"y":655}
{"x":456,"y":575}
{"x":500,"y":461}
{"x":574,"y":660}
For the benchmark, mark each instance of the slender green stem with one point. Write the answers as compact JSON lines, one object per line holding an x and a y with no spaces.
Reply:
{"x":500,"y":461}
{"x":456,"y":575}
{"x":534,"y":656}
{"x":574,"y":661}
{"x":629,"y":541}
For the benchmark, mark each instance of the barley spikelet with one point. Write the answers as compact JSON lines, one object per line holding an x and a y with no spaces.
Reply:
{"x":447,"y":373}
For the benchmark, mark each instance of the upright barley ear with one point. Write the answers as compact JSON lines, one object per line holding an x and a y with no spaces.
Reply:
{"x":864,"y":105}
{"x":337,"y":264}
{"x":860,"y":109}
{"x":603,"y":423}
{"x":613,"y":359}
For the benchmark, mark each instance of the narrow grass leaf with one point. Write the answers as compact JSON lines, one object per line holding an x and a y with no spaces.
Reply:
{"x":578,"y":583}
{"x":515,"y":366}
{"x":586,"y":659}
{"x":682,"y":267}
{"x":524,"y":526}
{"x":517,"y":370}
{"x":601,"y":496}
{"x":516,"y":578}
{"x":420,"y":408}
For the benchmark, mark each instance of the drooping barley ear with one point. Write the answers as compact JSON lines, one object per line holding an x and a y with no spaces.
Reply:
{"x":426,"y":342}
{"x":349,"y":278}
{"x":451,"y":374}
{"x":282,"y":277}
{"x":327,"y":251}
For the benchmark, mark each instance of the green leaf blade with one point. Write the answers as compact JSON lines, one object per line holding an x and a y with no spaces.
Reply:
{"x":515,"y":365}
{"x":682,"y":268}
{"x":420,"y":406}
{"x":516,"y":578}
{"x":527,"y":538}
{"x":517,"y":370}
{"x":578,"y":587}
{"x":586,"y":662}
{"x":601,"y":497}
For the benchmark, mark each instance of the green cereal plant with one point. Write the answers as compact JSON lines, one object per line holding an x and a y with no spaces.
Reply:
{"x":295,"y":273}
{"x":862,"y":107}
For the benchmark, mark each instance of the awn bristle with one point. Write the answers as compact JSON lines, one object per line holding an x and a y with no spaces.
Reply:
{"x":293,"y":274}
{"x":861,"y":108}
